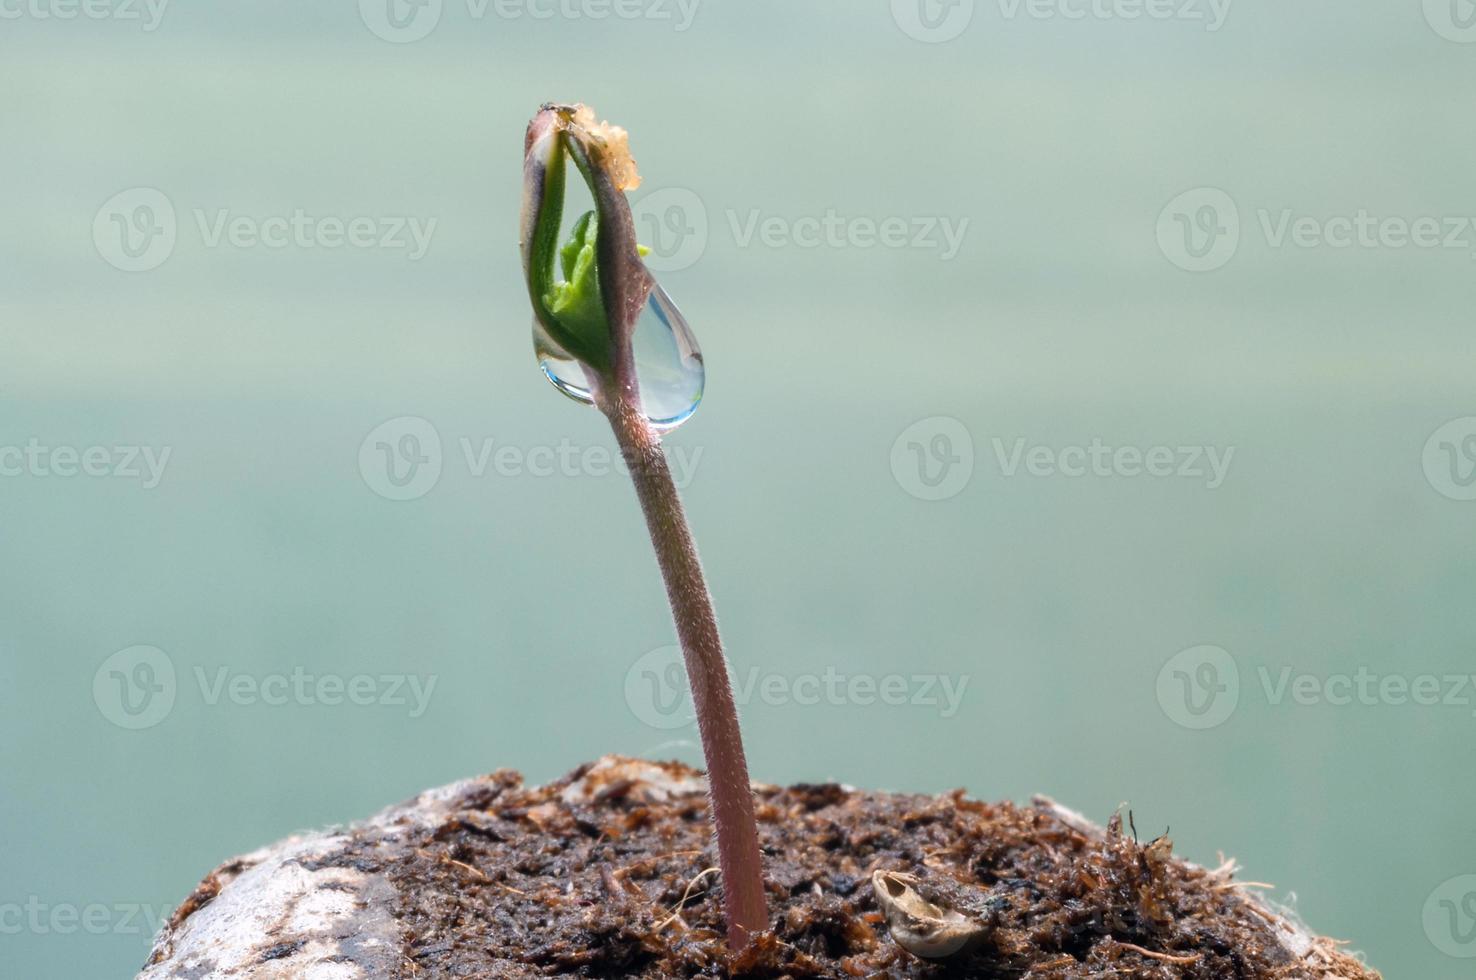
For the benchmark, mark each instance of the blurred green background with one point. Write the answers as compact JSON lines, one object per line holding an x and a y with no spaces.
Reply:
{"x":1118,"y":186}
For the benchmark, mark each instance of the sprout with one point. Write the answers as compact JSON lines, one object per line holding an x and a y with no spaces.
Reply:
{"x":589,"y":315}
{"x":591,"y":312}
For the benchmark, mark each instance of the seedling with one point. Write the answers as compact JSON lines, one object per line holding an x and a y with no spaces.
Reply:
{"x":606,"y":333}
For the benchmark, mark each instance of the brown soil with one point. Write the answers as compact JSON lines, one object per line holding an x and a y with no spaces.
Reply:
{"x":611,"y":878}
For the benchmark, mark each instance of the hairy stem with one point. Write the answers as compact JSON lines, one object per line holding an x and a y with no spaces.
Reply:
{"x":717,"y":716}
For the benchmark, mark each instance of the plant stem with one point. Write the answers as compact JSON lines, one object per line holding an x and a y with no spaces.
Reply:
{"x":712,"y":695}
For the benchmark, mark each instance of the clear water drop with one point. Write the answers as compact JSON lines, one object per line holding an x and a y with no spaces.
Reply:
{"x":669,"y":364}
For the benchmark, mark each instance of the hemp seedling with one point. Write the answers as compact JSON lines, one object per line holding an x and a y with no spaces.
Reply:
{"x":606,"y":333}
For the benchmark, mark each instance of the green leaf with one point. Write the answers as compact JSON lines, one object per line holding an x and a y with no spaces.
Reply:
{"x":575,"y":303}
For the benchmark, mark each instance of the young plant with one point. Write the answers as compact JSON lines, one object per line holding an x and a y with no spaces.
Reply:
{"x":590,"y":295}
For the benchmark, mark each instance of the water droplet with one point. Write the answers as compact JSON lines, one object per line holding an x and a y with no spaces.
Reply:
{"x":669,"y":364}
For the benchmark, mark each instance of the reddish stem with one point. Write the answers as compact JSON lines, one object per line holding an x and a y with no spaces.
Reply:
{"x":702,"y":647}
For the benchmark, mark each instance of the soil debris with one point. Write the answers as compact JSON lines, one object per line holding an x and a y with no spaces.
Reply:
{"x":617,"y":879}
{"x":610,"y":872}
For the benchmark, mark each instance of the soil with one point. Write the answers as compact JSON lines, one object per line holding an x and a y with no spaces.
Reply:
{"x":609,"y":873}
